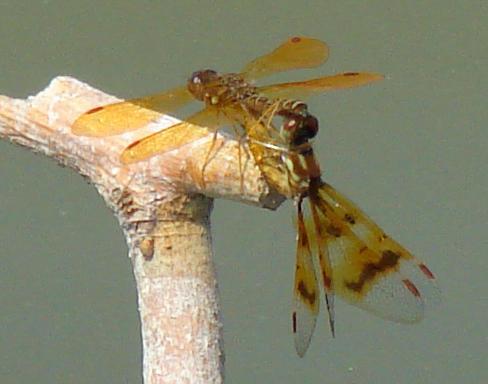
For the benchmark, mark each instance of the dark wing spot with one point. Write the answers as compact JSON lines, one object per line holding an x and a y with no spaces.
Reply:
{"x":334,"y":231}
{"x":350,"y":218}
{"x":326,"y":279}
{"x":351,"y":74}
{"x":304,"y":240}
{"x":426,"y":271}
{"x":294,"y":322}
{"x":295,"y":39}
{"x":309,"y":296}
{"x":389,"y":260}
{"x":93,"y":110}
{"x":411,"y":287}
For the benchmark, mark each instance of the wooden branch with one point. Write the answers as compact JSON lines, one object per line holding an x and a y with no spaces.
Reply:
{"x":164,"y":210}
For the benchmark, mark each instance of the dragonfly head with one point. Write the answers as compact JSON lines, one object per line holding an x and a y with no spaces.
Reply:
{"x":298,"y":129}
{"x":200,"y":82}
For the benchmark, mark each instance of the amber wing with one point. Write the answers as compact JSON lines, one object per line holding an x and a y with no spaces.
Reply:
{"x":125,"y":116}
{"x":306,"y":292}
{"x":308,"y":88}
{"x":370,"y":269}
{"x":296,"y":52}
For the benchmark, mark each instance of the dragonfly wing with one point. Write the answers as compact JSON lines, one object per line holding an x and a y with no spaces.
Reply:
{"x":320,"y":245}
{"x":193,"y":128}
{"x":165,"y":102}
{"x":307,"y":88}
{"x":125,"y":116}
{"x":297,"y":52}
{"x":306,"y":294}
{"x":371,"y":270}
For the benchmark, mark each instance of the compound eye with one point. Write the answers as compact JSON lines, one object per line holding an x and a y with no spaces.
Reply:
{"x":310,"y":126}
{"x":201,"y":77}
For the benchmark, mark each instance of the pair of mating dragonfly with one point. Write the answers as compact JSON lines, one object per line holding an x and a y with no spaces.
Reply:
{"x":336,"y":242}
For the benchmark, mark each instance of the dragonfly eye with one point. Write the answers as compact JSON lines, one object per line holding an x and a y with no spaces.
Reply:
{"x":198,"y":82}
{"x":299,"y":129}
{"x":310,"y":126}
{"x":203,"y":77}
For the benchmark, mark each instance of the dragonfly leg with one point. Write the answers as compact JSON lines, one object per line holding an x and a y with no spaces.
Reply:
{"x":208,"y":157}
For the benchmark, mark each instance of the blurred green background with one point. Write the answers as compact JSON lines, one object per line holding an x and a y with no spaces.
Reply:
{"x":411,"y":151}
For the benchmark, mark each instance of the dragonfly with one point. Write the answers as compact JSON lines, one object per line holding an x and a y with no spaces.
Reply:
{"x":221,"y":93}
{"x":336,"y":241}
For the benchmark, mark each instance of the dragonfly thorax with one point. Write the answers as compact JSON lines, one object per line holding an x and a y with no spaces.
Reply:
{"x":219,"y":89}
